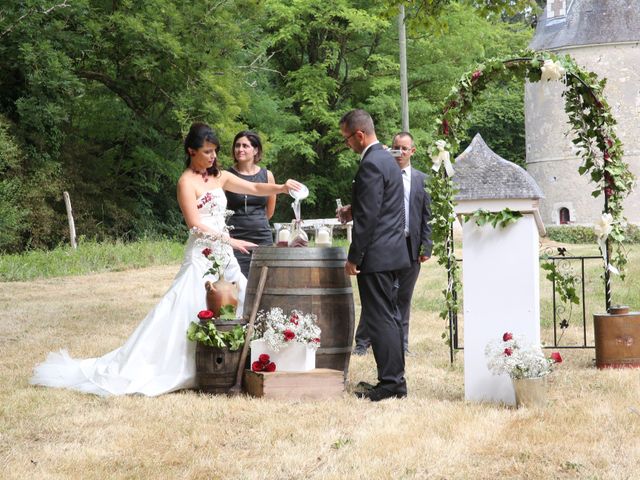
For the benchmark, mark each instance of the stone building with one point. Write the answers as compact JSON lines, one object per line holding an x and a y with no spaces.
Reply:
{"x":604,"y":37}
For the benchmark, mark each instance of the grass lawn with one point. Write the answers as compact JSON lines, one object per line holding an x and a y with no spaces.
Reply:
{"x":588,"y":430}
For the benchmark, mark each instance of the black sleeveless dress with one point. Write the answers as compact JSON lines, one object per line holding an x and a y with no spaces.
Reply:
{"x":249,"y":219}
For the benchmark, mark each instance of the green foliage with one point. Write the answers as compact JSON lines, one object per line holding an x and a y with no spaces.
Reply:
{"x":89,"y":257}
{"x":500,"y":219}
{"x":566,"y":283}
{"x":207,"y":334}
{"x":12,"y":211}
{"x":584,"y":234}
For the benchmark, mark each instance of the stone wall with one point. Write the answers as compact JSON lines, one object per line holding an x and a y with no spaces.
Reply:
{"x":551,"y":157}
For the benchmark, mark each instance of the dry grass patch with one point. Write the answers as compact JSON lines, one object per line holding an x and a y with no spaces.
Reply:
{"x":590,"y":428}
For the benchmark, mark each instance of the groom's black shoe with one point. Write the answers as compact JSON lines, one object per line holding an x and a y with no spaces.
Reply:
{"x":378,"y":393}
{"x":365,"y":386}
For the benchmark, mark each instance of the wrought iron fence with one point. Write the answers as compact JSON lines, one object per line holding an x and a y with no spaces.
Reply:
{"x":568,"y":288}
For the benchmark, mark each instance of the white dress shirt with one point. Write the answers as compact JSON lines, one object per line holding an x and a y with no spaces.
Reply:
{"x":406,"y":180}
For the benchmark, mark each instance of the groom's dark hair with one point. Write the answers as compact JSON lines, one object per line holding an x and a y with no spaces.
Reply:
{"x":358,"y":119}
{"x":198,"y":134}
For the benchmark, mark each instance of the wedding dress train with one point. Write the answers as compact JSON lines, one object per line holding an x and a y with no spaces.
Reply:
{"x":157,"y":358}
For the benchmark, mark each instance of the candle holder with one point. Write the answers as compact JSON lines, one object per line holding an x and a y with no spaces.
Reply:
{"x":283,"y":235}
{"x":323,"y":235}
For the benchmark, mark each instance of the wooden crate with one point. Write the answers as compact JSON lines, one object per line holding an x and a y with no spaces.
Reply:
{"x":320,"y":383}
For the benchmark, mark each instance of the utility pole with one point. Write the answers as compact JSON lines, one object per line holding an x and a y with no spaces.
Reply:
{"x":404,"y":93}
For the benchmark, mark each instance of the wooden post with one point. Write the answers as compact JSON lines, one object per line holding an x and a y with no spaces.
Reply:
{"x":72,"y":226}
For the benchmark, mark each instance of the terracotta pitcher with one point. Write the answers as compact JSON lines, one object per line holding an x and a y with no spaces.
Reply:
{"x":221,"y":293}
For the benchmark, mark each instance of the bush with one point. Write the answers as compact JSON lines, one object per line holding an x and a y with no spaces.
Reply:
{"x":583,"y":234}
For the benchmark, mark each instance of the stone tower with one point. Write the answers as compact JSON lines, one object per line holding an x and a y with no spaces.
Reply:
{"x":604,"y":37}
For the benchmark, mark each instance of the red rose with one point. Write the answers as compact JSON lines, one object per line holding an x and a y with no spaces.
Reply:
{"x":289,"y":335}
{"x":445,"y":127}
{"x":294,"y":319}
{"x":476,"y":75}
{"x":508,"y":352}
{"x":257,"y":367}
{"x":609,"y":142}
{"x":270,"y":367}
{"x":507,"y":336}
{"x":608,"y":191}
{"x":556,"y":357}
{"x":264,"y":359}
{"x":205,"y":314}
{"x":206,"y":252}
{"x":316,"y":340}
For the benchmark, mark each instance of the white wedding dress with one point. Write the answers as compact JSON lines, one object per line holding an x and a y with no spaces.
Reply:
{"x":157,"y":358}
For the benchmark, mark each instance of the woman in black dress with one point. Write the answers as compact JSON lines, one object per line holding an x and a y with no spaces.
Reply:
{"x":251,"y":214}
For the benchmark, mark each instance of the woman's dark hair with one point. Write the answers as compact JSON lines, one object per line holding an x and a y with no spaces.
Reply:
{"x":198,"y":134}
{"x":254,"y":140}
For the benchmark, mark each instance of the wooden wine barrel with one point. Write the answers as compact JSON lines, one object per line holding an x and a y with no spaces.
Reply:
{"x":216,"y":368}
{"x":311,"y":280}
{"x":617,"y":336}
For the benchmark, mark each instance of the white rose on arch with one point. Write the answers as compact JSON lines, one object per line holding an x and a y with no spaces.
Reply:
{"x":551,"y":71}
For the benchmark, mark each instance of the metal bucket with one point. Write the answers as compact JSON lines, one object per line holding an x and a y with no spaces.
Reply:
{"x":617,"y":336}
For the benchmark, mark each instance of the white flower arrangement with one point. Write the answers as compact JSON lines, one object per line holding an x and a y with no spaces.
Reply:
{"x":515,"y":357}
{"x":278,"y":329}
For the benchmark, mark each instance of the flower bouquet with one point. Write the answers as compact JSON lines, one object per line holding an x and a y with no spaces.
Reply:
{"x":290,"y":340}
{"x":216,"y":333}
{"x":525,"y":364}
{"x":517,"y":358}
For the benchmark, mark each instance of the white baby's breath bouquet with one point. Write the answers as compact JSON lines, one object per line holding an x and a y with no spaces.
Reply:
{"x":518,"y":358}
{"x":279,"y":329}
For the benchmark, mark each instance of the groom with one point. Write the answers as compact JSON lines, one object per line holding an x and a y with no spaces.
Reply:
{"x":378,"y":250}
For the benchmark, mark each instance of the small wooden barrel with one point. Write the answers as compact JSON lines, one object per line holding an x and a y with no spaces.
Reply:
{"x":216,"y":368}
{"x":617,"y":336}
{"x":311,"y":280}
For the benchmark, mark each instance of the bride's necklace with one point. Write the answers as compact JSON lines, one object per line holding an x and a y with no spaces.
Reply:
{"x":204,"y":173}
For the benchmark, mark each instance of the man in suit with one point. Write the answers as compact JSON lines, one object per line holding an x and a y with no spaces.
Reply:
{"x":378,"y":250}
{"x":417,"y":205}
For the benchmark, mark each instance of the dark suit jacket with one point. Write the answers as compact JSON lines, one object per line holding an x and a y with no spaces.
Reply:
{"x":419,"y":217}
{"x":377,"y":207}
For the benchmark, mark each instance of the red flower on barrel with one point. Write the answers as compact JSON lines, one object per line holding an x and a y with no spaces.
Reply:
{"x":205,"y":314}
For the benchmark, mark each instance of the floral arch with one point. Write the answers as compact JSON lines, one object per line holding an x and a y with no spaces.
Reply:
{"x":599,"y":147}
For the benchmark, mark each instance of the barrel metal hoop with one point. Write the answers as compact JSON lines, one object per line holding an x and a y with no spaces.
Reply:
{"x":305,"y":291}
{"x":297,"y":263}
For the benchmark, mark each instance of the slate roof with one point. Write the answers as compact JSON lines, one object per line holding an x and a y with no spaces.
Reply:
{"x":481,"y":174}
{"x":590,"y":22}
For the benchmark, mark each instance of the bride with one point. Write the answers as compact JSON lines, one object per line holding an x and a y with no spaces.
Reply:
{"x":157,"y":358}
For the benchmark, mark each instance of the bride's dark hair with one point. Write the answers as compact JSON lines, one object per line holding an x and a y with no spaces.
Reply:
{"x":198,"y":134}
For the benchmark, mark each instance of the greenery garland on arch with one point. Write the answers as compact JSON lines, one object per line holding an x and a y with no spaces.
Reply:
{"x":598,"y":145}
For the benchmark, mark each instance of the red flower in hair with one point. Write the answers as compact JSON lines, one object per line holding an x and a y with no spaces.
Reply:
{"x":507,"y":336}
